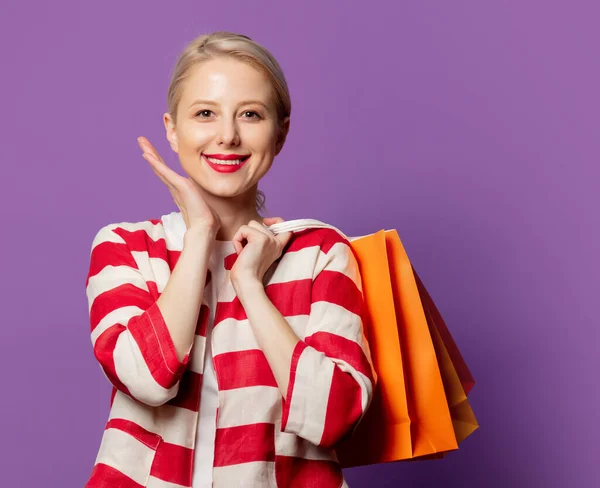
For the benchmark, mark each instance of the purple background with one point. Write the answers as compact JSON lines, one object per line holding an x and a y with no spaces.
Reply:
{"x":469,"y":126}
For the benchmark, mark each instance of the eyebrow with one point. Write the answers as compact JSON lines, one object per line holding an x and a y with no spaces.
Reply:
{"x":210,"y":102}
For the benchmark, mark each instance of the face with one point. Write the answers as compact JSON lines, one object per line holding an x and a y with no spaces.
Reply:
{"x":227,"y":108}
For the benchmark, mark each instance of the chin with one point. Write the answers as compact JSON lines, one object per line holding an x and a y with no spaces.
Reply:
{"x":223,"y":191}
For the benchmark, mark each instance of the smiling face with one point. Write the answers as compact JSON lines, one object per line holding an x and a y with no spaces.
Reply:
{"x":227,"y":108}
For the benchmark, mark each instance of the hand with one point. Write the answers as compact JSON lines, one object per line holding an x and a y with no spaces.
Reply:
{"x":261,"y":250}
{"x":194,"y":209}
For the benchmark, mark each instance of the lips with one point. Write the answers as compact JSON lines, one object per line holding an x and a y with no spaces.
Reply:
{"x":226,"y":168}
{"x":227,"y":157}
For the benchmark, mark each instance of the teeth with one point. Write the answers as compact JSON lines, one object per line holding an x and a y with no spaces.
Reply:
{"x":219,"y":161}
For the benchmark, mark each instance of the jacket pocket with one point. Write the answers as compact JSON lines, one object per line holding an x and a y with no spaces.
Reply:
{"x":126,"y":452}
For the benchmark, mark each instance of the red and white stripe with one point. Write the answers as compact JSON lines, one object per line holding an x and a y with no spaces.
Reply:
{"x":261,"y":437}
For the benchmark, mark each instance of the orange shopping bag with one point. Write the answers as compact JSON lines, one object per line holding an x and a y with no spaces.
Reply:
{"x":410,"y":416}
{"x":419,"y":408}
{"x":456,"y":376}
{"x":436,"y":320}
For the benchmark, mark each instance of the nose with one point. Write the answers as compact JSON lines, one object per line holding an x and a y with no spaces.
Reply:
{"x":228,"y":133}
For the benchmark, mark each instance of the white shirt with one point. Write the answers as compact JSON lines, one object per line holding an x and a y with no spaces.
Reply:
{"x":209,"y":399}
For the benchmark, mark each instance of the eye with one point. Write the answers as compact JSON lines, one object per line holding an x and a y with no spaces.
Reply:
{"x":201,"y":112}
{"x":252,"y":112}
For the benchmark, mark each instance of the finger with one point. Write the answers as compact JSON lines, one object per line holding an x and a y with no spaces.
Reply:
{"x":238,"y":237}
{"x":145,"y":145}
{"x":170,"y":187}
{"x":247,"y":233}
{"x":284,"y":238}
{"x":158,"y":161}
{"x":149,"y":148}
{"x":153,"y":165}
{"x":172,"y":178}
{"x":260,"y":227}
{"x":273,"y":220}
{"x":168,"y":184}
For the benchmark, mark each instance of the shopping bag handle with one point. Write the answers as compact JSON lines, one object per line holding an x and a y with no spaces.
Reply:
{"x":301,"y":224}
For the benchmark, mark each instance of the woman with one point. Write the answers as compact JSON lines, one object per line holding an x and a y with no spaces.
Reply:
{"x":237,"y":356}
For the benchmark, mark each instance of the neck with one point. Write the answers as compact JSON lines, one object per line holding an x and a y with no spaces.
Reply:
{"x":233,"y":212}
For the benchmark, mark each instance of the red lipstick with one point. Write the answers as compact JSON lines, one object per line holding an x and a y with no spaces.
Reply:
{"x":226,"y":168}
{"x":227,"y":157}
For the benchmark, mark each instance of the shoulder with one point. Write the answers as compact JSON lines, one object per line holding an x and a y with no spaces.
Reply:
{"x":320,"y":246}
{"x":334,"y":257}
{"x":327,"y":239}
{"x":163,"y":231}
{"x":128,"y":232}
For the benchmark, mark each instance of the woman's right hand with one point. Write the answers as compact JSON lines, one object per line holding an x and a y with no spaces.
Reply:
{"x":194,"y":209}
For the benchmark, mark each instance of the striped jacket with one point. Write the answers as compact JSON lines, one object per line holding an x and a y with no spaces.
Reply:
{"x":262,"y":439}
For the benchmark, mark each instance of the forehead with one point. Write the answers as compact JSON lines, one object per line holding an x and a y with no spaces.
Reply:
{"x":226,"y":81}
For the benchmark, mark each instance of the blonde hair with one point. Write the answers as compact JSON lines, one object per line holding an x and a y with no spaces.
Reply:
{"x":239,"y":47}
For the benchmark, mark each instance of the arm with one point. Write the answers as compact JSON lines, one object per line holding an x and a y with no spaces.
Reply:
{"x":273,"y":333}
{"x":142,"y":339}
{"x":327,"y":379}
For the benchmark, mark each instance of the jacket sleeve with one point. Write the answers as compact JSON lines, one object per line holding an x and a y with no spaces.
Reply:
{"x":331,"y":376}
{"x":130,"y":338}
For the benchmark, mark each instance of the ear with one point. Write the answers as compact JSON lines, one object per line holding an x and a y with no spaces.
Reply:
{"x":283,"y":132}
{"x":170,"y":131}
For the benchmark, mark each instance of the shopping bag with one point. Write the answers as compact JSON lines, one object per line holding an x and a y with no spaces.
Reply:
{"x":456,"y":377}
{"x":437,"y":321}
{"x":419,"y":408}
{"x":430,"y":428}
{"x":384,"y":433}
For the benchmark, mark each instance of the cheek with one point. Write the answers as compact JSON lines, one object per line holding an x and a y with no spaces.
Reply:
{"x":193,"y":137}
{"x":260,"y":137}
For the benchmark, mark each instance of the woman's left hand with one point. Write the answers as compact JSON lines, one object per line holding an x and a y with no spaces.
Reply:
{"x":262,"y":249}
